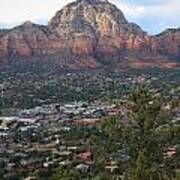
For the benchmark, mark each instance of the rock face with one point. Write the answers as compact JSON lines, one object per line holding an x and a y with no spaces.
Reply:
{"x":87,"y":34}
{"x":25,"y":40}
{"x":99,"y":28}
{"x":168,"y":43}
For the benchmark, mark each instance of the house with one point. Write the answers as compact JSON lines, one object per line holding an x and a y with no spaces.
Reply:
{"x":30,"y":178}
{"x":65,"y":163}
{"x":85,"y":157}
{"x":82,"y":167}
{"x":4,"y":131}
{"x":72,"y":148}
{"x":8,"y":120}
{"x":111,"y":168}
{"x":170,"y":152}
{"x":27,"y":120}
{"x":86,"y":122}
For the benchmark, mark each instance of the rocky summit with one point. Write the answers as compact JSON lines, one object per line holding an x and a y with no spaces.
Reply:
{"x":90,"y":34}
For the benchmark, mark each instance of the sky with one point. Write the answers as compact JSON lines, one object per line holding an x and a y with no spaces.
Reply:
{"x":153,"y":16}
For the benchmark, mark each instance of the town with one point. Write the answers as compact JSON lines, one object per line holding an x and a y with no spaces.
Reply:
{"x":51,"y":120}
{"x":36,"y":141}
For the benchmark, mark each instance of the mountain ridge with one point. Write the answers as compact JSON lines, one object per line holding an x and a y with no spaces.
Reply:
{"x":90,"y":34}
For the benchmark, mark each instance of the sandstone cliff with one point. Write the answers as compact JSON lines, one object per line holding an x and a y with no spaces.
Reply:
{"x":89,"y":34}
{"x":168,"y":43}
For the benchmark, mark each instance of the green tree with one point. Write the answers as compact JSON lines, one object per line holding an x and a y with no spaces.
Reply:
{"x":103,"y":176}
{"x":65,"y":174}
{"x":146,"y":146}
{"x":139,"y":170}
{"x":111,"y":126}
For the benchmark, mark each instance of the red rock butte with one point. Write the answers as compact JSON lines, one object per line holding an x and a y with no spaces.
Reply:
{"x":91,"y":34}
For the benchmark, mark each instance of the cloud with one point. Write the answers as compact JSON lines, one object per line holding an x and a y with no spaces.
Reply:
{"x":153,"y":15}
{"x":130,"y":9}
{"x":13,"y":12}
{"x":145,"y":2}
